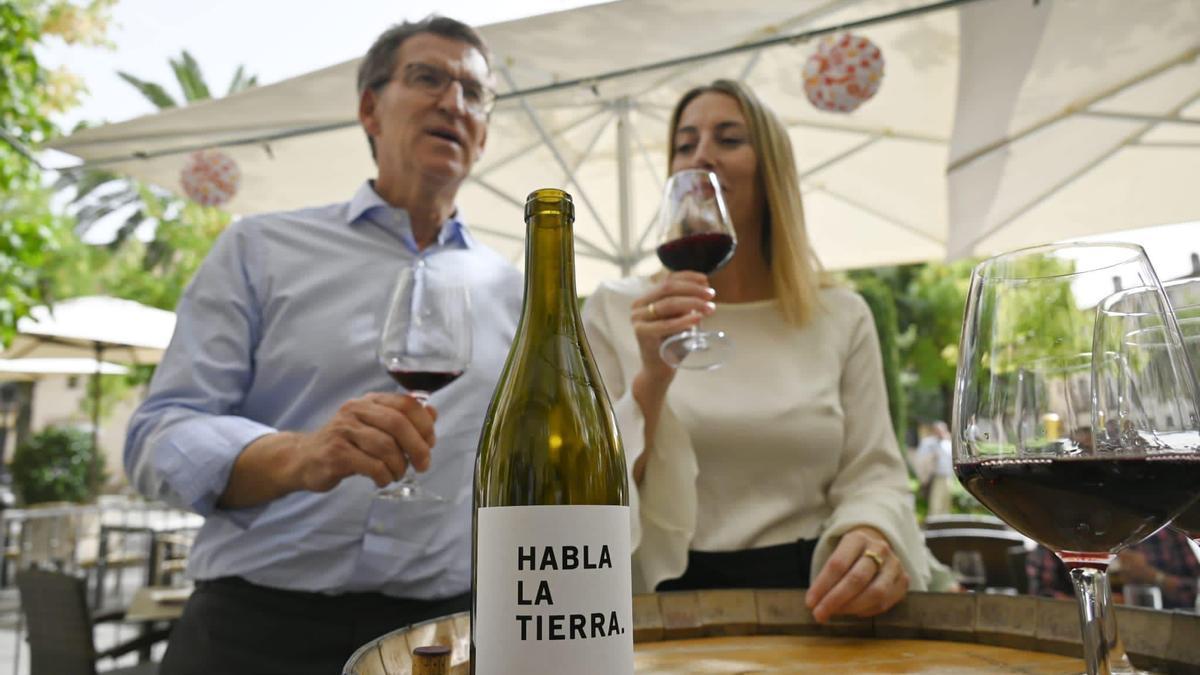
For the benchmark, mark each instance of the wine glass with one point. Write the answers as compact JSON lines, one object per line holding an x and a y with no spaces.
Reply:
{"x":424,"y":346}
{"x":695,"y":234}
{"x":1036,"y":436}
{"x":1184,"y":296}
{"x":1143,"y":595}
{"x":969,"y":570}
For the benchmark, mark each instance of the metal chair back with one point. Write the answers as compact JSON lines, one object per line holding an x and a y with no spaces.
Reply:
{"x":59,"y":623}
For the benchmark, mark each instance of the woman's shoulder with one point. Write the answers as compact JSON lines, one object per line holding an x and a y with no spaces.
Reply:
{"x":842,"y":300}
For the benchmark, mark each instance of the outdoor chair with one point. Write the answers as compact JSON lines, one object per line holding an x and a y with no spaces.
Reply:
{"x":993,"y":545}
{"x":171,"y":557}
{"x":48,"y":536}
{"x":61,"y":641}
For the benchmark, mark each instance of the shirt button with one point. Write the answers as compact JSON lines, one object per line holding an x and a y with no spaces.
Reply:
{"x":421,"y":262}
{"x":376,"y":529}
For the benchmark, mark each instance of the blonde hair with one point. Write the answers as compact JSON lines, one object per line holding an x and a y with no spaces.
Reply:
{"x":795,"y":271}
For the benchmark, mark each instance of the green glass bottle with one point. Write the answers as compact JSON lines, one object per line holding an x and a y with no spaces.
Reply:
{"x":552,"y":591}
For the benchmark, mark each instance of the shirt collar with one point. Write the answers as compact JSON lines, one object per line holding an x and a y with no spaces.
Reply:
{"x":368,"y":206}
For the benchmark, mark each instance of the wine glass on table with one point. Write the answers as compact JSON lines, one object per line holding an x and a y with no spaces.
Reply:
{"x":1184,"y":296}
{"x":969,"y":570}
{"x":425,"y":345}
{"x":1041,"y":341}
{"x":695,"y":234}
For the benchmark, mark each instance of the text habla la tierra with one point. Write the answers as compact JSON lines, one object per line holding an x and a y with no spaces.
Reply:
{"x":573,"y":626}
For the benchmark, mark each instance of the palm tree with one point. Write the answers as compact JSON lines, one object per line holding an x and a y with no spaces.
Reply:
{"x":191,"y":82}
{"x":99,"y":195}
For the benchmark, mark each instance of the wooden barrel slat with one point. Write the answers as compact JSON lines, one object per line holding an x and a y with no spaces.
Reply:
{"x":926,"y":633}
{"x":862,"y":656}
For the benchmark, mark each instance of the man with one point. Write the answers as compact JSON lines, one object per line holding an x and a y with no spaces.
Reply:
{"x":271,"y":415}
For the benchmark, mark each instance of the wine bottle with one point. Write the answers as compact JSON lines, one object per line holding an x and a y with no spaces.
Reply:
{"x":552,"y":591}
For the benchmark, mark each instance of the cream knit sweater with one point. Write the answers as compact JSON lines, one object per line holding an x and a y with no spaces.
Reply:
{"x":790,"y":439}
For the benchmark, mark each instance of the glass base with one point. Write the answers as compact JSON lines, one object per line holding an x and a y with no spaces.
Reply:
{"x":408,"y":491}
{"x":696,"y":350}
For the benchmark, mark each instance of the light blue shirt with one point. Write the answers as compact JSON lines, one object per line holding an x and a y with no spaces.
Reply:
{"x":279,"y":329}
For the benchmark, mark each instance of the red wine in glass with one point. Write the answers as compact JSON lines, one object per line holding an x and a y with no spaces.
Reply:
{"x":424,"y":381}
{"x":1070,"y":423}
{"x":694,"y":234}
{"x":1084,"y":507}
{"x":425,"y":345}
{"x":705,"y":253}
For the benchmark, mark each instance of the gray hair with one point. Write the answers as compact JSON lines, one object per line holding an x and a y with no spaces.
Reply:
{"x":379,"y":63}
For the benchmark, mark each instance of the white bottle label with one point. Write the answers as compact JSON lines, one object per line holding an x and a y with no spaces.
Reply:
{"x":553,"y":592}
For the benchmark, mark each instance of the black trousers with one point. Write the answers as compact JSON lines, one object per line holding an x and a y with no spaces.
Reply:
{"x":781,"y":566}
{"x":233,"y":627}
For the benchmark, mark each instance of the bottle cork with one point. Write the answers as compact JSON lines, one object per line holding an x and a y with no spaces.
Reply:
{"x":431,"y":660}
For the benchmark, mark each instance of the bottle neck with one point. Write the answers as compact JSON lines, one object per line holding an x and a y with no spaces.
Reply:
{"x":549,"y":268}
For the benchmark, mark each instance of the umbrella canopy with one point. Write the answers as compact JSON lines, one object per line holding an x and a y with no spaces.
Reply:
{"x":97,"y":326}
{"x":1075,"y":117}
{"x":32,"y":369}
{"x":122,"y":330}
{"x":585,"y":96}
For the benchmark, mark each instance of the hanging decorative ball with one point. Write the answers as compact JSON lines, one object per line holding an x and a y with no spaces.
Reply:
{"x":843,"y":73}
{"x":210,"y":177}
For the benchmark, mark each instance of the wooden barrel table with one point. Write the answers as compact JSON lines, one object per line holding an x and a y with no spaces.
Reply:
{"x":771,"y":631}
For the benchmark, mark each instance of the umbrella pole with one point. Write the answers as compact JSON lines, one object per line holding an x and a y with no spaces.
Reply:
{"x":94,"y":471}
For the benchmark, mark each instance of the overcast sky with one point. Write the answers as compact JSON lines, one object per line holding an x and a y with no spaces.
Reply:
{"x":275,"y":39}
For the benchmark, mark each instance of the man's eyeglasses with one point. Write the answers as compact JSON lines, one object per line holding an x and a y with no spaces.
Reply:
{"x":478,"y":99}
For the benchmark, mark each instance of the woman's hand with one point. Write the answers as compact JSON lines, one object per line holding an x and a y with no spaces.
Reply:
{"x":675,"y":304}
{"x":863,"y":577}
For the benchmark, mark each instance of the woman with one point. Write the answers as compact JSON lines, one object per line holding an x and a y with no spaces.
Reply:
{"x":781,"y":467}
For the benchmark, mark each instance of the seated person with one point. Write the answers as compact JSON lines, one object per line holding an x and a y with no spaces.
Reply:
{"x":1164,"y":560}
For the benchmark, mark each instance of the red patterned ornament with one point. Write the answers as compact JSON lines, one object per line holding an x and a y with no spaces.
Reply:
{"x":210,"y":177}
{"x":843,"y":73}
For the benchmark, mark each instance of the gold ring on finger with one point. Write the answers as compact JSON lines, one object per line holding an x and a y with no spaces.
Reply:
{"x":650,"y":308}
{"x":874,"y":556}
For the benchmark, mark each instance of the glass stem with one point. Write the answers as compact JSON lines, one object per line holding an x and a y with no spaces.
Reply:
{"x":1102,"y":647}
{"x":410,"y":474}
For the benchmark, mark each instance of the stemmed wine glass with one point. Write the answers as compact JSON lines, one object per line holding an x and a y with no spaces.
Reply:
{"x":969,"y":570}
{"x":1046,"y":434}
{"x":424,"y":346}
{"x":695,"y":234}
{"x":1184,"y":296}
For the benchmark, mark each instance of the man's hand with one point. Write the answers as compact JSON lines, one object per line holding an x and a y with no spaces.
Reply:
{"x":376,"y":436}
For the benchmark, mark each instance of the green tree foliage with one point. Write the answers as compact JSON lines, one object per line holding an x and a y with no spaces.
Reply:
{"x":25,"y":218}
{"x":54,"y":465}
{"x":29,"y":94}
{"x":883,"y":307}
{"x":929,"y":300}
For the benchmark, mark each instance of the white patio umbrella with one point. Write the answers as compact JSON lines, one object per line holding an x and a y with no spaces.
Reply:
{"x":94,"y":328}
{"x":1069,"y":117}
{"x":99,"y":327}
{"x":1075,"y":117}
{"x":584,"y":98}
{"x":32,"y":369}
